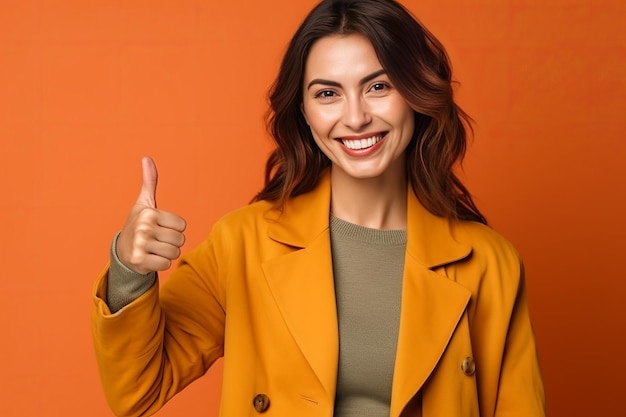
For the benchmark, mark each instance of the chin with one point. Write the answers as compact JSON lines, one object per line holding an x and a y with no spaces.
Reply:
{"x":362,"y":173}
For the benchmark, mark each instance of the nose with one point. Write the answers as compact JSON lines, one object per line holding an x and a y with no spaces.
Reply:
{"x":356,"y":114}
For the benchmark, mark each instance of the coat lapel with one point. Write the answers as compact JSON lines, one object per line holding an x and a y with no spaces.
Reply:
{"x":432,"y":304}
{"x":302,"y":284}
{"x":301,"y":280}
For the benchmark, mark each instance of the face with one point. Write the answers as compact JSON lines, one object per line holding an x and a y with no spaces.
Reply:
{"x":357,"y":117}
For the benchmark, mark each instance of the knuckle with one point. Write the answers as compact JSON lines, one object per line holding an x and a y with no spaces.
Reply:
{"x":137,"y":257}
{"x":147,"y":215}
{"x":142,"y":230}
{"x":140,"y":242}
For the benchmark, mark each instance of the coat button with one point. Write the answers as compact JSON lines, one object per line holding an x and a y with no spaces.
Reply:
{"x":261,"y":403}
{"x":468,"y":366}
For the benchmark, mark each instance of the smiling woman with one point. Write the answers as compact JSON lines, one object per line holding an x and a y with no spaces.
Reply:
{"x":361,"y":281}
{"x":357,"y":118}
{"x":416,"y":63}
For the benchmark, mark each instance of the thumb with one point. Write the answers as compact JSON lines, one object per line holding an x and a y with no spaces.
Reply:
{"x":147,"y":196}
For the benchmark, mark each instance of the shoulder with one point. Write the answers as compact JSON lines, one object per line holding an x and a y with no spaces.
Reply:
{"x":484,"y":239}
{"x":493,"y":257}
{"x":243,"y":222}
{"x":234,"y":231}
{"x":253,"y":212}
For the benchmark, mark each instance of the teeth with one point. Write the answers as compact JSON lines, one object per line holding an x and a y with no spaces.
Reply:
{"x":362,"y":143}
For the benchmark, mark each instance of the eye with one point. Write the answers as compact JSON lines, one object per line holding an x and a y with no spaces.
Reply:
{"x":379,"y":87}
{"x":325,"y":94}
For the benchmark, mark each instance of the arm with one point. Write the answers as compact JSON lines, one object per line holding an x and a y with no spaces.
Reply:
{"x":150,"y":346}
{"x":520,"y":391}
{"x":507,"y":365}
{"x":159,"y":343}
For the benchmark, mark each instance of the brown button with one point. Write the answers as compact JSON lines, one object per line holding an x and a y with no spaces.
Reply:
{"x":261,"y":403}
{"x":468,"y":366}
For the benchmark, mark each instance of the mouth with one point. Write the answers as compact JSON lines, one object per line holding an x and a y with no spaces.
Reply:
{"x":362,"y":143}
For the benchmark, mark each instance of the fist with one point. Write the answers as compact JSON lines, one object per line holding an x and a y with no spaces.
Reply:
{"x":151,"y":238}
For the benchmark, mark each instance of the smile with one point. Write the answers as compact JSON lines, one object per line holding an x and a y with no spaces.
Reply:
{"x":357,"y":144}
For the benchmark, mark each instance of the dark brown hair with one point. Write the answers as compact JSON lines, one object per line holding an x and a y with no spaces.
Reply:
{"x":417,"y":65}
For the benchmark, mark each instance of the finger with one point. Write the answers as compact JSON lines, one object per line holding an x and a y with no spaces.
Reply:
{"x":170,"y":236}
{"x":152,"y":256}
{"x":147,"y":195}
{"x":171,"y":221}
{"x":146,"y":254}
{"x":158,"y":225}
{"x":161,"y":249}
{"x":155,"y":263}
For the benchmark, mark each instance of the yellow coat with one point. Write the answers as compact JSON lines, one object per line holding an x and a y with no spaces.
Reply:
{"x":259,"y":291}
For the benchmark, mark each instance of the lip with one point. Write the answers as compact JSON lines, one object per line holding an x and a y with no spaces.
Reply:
{"x":360,"y":153}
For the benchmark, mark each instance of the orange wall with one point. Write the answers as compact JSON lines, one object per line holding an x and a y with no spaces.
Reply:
{"x":88,"y":87}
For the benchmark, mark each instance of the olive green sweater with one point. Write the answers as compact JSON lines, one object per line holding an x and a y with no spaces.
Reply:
{"x":367,"y":266}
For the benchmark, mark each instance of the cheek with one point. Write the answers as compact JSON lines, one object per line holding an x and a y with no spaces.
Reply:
{"x":410,"y":121}
{"x":405,"y":122}
{"x":405,"y":118}
{"x":320,"y":121}
{"x":312,"y":119}
{"x":396,"y":111}
{"x":323,"y":144}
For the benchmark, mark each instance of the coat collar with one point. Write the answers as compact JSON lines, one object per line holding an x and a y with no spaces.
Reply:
{"x":306,"y":216}
{"x":302,"y":284}
{"x":303,"y":218}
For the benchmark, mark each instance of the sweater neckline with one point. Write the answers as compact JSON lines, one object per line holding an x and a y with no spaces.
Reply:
{"x":387,"y":237}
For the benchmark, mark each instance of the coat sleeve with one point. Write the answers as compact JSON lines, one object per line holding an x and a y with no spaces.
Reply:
{"x":155,"y":346}
{"x":508,"y":374}
{"x":520,"y":388}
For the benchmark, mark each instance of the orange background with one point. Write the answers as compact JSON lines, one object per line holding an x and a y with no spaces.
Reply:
{"x":88,"y":87}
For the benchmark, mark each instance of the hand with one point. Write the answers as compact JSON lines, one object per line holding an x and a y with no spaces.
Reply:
{"x":151,"y":238}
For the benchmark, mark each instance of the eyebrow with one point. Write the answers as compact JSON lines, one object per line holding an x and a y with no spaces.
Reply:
{"x":363,"y":80}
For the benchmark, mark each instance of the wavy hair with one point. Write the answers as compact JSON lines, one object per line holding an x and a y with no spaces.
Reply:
{"x":418,"y":66}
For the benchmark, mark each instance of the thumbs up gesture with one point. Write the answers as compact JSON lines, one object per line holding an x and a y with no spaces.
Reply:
{"x":151,"y":238}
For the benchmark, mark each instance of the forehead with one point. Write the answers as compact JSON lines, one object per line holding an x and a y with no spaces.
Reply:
{"x":341,"y":57}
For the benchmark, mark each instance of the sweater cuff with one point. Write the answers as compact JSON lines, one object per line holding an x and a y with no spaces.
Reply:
{"x":125,"y":285}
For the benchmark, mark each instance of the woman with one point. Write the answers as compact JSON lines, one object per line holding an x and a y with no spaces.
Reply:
{"x":362,"y":281}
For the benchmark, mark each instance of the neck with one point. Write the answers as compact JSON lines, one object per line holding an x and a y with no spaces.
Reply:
{"x":377,"y":203}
